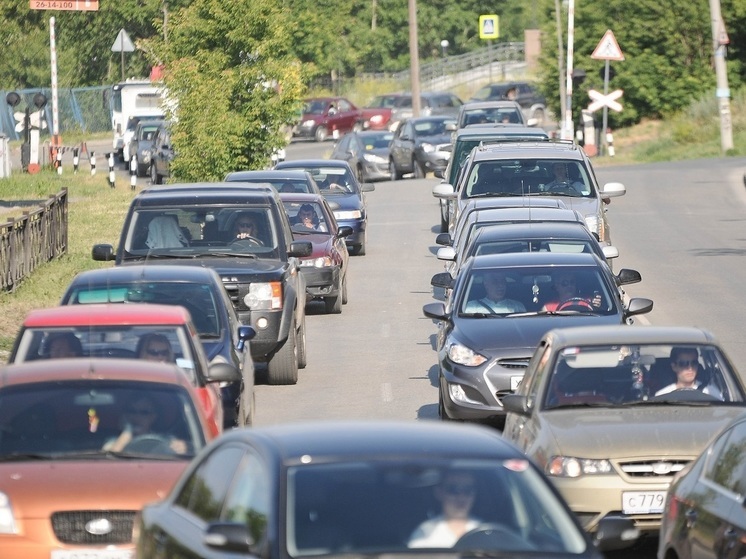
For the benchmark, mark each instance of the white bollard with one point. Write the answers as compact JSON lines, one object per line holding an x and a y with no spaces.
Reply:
{"x":112,"y":176}
{"x":93,"y":163}
{"x":76,"y":160}
{"x":59,"y":161}
{"x":133,"y":173}
{"x":610,"y":143}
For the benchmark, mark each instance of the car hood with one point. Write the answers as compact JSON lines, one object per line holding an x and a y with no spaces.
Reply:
{"x":381,"y":152}
{"x":584,"y":206}
{"x":321,"y":243}
{"x":344,"y":201}
{"x":635,"y":431}
{"x":435,"y":140}
{"x":36,"y":489}
{"x":494,"y":335}
{"x":253,"y":269}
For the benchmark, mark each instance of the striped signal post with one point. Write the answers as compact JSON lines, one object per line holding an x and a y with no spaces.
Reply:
{"x":609,"y":143}
{"x":133,"y":173}
{"x":76,"y":159}
{"x":112,"y":175}
{"x":93,"y":163}
{"x":58,"y":157}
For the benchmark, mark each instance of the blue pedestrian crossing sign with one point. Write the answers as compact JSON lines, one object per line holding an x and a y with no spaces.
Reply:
{"x":489,"y":27}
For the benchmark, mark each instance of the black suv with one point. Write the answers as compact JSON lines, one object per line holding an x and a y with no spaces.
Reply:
{"x":204,"y":224}
{"x":531,"y":101}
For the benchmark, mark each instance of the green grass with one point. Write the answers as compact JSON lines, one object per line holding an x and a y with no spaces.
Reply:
{"x":96,"y":211}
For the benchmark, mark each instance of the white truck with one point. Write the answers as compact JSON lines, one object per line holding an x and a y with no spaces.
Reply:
{"x":132,"y":101}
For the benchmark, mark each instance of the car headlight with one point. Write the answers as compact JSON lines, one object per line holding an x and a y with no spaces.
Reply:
{"x":145,"y":156}
{"x":7,"y":521}
{"x":569,"y":466}
{"x":376,"y":119}
{"x":348,"y":214}
{"x":320,"y":262}
{"x":427,"y":148}
{"x":373,"y":158}
{"x":308,"y":123}
{"x":459,"y":353}
{"x":593,"y":224}
{"x":264,"y":296}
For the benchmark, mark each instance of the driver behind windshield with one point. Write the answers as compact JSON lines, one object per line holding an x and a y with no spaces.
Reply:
{"x":685,"y":363}
{"x":140,"y":419}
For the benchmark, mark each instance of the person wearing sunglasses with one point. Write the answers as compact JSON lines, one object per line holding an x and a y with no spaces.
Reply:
{"x":567,"y":296}
{"x":456,"y":494}
{"x":155,"y":347}
{"x":140,"y":430}
{"x":246,"y":228}
{"x":685,"y":363}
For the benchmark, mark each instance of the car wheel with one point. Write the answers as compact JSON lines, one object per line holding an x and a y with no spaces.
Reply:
{"x":246,"y":417}
{"x":282,"y":368}
{"x":443,"y":218}
{"x":394,"y":174}
{"x":344,"y":290}
{"x":360,"y":174}
{"x":418,"y":169}
{"x":442,"y":408}
{"x":154,"y":177}
{"x":333,"y":305}
{"x":301,"y":344}
{"x":321,"y":134}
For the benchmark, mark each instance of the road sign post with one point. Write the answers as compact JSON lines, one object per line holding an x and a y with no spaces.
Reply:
{"x":122,"y":44}
{"x":607,"y":49}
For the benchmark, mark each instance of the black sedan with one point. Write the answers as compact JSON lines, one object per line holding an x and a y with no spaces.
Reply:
{"x":283,"y":181}
{"x":704,"y":514}
{"x":421,"y":145}
{"x":485,"y":340}
{"x":344,"y":193}
{"x":367,"y":153}
{"x":365,"y":489}
{"x":325,"y":270}
{"x":200,"y":290}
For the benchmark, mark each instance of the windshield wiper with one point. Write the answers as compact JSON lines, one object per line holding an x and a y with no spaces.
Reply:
{"x":21,"y":456}
{"x":227,"y":254}
{"x":494,"y":195}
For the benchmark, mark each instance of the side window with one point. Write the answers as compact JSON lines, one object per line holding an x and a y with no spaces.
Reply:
{"x":249,"y":500}
{"x":726,"y":466}
{"x":206,"y":489}
{"x":343,"y":106}
{"x":455,"y":101}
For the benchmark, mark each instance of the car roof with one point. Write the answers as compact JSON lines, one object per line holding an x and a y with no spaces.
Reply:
{"x":490,"y":130}
{"x":512,"y":202}
{"x":107,"y":314}
{"x":302,"y":197}
{"x":623,"y":334}
{"x":322,"y":440}
{"x":525,"y":213}
{"x":517,"y":150}
{"x":497,"y":103}
{"x":528,"y":259}
{"x":201,"y":194}
{"x":271,"y":174}
{"x":535,"y":230}
{"x":296,"y":163}
{"x":131,"y":272}
{"x":93,"y":369}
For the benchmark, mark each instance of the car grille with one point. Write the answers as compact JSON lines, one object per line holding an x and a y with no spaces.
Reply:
{"x":70,"y":526}
{"x":514,"y":363}
{"x":652,"y":468}
{"x":236,"y":291}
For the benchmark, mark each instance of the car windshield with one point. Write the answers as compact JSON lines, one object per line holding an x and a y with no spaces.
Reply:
{"x":120,"y":341}
{"x":194,"y":231}
{"x":306,"y":217}
{"x":332,"y":180}
{"x":536,"y":290}
{"x":432,"y":127}
{"x":372,"y":507}
{"x":502,"y":115}
{"x":84,"y":418}
{"x":608,"y":375}
{"x":199,"y":299}
{"x":316,"y":107}
{"x":516,"y":177}
{"x":383,"y":102}
{"x":373,"y":140}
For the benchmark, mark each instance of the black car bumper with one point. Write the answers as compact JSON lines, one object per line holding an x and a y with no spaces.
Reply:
{"x":322,"y":282}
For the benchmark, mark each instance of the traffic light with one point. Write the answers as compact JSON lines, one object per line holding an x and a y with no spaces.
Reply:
{"x":602,"y":72}
{"x":578,"y":77}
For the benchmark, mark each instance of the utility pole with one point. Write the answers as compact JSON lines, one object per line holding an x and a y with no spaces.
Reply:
{"x":414,"y":58}
{"x":720,"y":41}
{"x":567,"y":127}
{"x":560,"y":52}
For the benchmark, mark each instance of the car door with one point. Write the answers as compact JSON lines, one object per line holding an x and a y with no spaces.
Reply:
{"x":346,"y":116}
{"x":402,"y":146}
{"x":346,"y":150}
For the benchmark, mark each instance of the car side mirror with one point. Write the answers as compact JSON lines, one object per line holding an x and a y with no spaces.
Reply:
{"x":344,"y":231}
{"x":229,"y":536}
{"x":103,"y":253}
{"x":367,"y":187}
{"x":436,"y":311}
{"x":517,"y":404}
{"x":627,"y":276}
{"x":245,"y":333}
{"x":443,"y":280}
{"x":221,"y":371}
{"x":300,"y":248}
{"x":444,"y":239}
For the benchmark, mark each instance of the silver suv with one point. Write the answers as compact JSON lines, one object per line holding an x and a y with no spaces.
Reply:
{"x":530,"y":169}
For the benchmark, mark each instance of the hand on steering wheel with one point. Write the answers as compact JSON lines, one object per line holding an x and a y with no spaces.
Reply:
{"x":247,"y":239}
{"x":576,"y":304}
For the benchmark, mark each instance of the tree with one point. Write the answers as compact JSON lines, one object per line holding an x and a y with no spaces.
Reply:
{"x":233,"y":82}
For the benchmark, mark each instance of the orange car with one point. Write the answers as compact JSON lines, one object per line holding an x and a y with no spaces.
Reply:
{"x":83,"y":446}
{"x":116,"y":330}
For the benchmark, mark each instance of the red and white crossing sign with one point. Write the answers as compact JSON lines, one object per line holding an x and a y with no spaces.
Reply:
{"x":67,"y":5}
{"x":608,"y":48}
{"x":600,"y":100}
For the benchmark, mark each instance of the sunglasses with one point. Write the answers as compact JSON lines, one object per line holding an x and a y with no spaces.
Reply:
{"x":158,"y":352}
{"x":459,"y":488}
{"x":246,"y":225}
{"x":140,"y":411}
{"x":687,"y":363}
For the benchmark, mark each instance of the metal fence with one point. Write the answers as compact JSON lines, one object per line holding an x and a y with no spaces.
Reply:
{"x":82,"y":109}
{"x":39,"y":236}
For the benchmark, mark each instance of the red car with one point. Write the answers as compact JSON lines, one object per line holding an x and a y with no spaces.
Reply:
{"x":377,"y":115}
{"x":325,"y":271}
{"x":328,"y":116}
{"x":84,"y":445}
{"x":115,"y":330}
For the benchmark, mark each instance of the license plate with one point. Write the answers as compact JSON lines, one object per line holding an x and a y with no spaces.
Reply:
{"x":514,"y":382}
{"x":93,"y":554}
{"x":643,"y":502}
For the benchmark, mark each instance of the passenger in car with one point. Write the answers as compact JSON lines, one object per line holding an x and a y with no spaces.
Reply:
{"x":64,"y":345}
{"x":685,"y":363}
{"x":495,"y":284}
{"x":155,"y":347}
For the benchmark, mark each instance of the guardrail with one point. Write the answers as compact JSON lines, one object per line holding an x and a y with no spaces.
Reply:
{"x":39,"y":236}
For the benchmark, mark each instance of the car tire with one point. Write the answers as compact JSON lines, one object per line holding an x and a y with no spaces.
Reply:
{"x":155,"y":178}
{"x":344,"y":290}
{"x":333,"y":305}
{"x":442,"y":408}
{"x":246,"y":419}
{"x":321,"y":134}
{"x":394,"y":173}
{"x":301,"y":345}
{"x":360,"y":174}
{"x":418,"y":169}
{"x":443,"y":220}
{"x":282,"y":367}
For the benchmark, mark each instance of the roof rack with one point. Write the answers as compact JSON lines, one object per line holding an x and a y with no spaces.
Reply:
{"x":521,"y":140}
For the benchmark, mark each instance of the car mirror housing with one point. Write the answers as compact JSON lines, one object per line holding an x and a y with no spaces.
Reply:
{"x":639,"y":305}
{"x":367,"y":187}
{"x":223,"y":372}
{"x":516,"y":404}
{"x":444,"y":190}
{"x":229,"y":536}
{"x":102,"y":252}
{"x":443,"y":280}
{"x":300,"y":248}
{"x":436,"y":311}
{"x":344,"y":231}
{"x":610,"y":252}
{"x":612,"y":189}
{"x":627,"y":276}
{"x":245,"y":333}
{"x":447,"y":253}
{"x":444,"y":239}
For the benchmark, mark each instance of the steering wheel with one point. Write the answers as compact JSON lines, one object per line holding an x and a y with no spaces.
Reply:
{"x":575,"y":304}
{"x":150,"y":443}
{"x":247,"y":242}
{"x":492,"y":536}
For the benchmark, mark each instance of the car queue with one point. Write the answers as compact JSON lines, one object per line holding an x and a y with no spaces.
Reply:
{"x":246,"y":517}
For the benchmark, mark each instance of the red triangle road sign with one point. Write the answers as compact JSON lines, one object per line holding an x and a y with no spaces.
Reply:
{"x":608,"y":48}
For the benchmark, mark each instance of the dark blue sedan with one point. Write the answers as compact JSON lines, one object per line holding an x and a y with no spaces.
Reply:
{"x":344,"y":193}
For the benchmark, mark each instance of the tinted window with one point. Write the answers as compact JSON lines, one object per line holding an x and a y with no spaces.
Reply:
{"x":727,"y":464}
{"x":249,"y":500}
